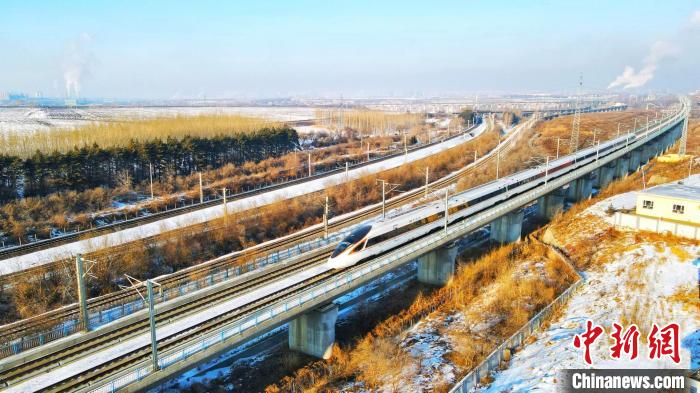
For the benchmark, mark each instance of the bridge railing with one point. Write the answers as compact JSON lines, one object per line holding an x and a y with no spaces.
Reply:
{"x":105,"y":314}
{"x":295,"y":303}
{"x":101,"y":316}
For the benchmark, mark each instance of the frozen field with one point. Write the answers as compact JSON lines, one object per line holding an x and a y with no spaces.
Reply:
{"x":43,"y":119}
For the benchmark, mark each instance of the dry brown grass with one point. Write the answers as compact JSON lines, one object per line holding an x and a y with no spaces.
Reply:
{"x":23,"y":144}
{"x":174,"y":250}
{"x":488,"y":287}
{"x":503,"y":284}
{"x":604,"y":125}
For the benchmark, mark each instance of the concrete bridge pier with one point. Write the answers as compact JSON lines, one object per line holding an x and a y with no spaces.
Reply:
{"x":437,"y":266}
{"x":622,"y":167}
{"x":580,"y":189}
{"x":550,"y":204}
{"x":635,"y":158}
{"x":507,"y":228}
{"x":666,"y":142}
{"x":313,"y":333}
{"x":604,"y":175}
{"x":648,"y":152}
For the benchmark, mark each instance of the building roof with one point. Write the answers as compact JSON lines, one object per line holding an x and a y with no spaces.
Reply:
{"x":675,"y":190}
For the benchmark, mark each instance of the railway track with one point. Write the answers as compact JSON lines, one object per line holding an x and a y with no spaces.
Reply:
{"x":131,"y":223}
{"x":141,"y":352}
{"x":23,"y":371}
{"x":72,"y":312}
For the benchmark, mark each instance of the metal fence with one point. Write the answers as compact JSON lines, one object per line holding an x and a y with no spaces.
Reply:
{"x":493,"y":361}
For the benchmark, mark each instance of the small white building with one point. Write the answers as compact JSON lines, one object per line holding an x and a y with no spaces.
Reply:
{"x":672,"y":202}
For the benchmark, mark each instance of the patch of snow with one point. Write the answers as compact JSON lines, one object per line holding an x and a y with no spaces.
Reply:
{"x":637,"y":285}
{"x":426,"y":343}
{"x":624,"y":201}
{"x":38,"y":258}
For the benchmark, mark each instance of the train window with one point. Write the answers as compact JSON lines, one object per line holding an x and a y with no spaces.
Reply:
{"x":359,"y":247}
{"x":648,"y":204}
{"x":354,"y":237}
{"x":680,"y":209}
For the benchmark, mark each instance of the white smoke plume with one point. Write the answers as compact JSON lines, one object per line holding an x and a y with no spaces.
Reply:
{"x":695,"y":19}
{"x":76,"y":64}
{"x":630,"y":78}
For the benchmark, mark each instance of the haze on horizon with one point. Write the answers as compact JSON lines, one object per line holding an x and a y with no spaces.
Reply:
{"x":178,"y":49}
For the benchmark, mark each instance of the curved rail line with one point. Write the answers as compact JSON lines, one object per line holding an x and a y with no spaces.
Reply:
{"x":65,"y":355}
{"x":17,"y":329}
{"x":142,"y":353}
{"x":134,"y":222}
{"x":40,"y":323}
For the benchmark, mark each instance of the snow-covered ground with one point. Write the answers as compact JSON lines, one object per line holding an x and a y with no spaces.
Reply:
{"x":43,"y":119}
{"x":38,"y":258}
{"x":650,"y":281}
{"x":628,"y":200}
{"x":105,"y":355}
{"x":348,"y":304}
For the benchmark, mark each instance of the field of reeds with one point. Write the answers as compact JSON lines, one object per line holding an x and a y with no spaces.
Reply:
{"x":368,"y":121}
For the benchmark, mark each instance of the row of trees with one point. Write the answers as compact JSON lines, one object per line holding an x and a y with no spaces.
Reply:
{"x":96,"y":166}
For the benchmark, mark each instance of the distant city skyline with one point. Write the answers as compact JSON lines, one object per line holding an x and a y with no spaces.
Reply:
{"x":178,"y":50}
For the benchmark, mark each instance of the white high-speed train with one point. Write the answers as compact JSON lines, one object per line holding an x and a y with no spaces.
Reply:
{"x":380,"y":237}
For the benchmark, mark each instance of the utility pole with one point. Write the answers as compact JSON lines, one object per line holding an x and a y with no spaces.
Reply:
{"x":577,"y":118}
{"x":325,"y":219}
{"x":150,"y":175}
{"x":82,"y":291}
{"x":223,"y":191}
{"x":152,"y":322}
{"x":546,"y":170}
{"x":405,"y":144}
{"x":447,"y":210}
{"x":618,"y":130}
{"x":427,"y":179}
{"x":684,"y":138}
{"x":368,"y":150}
{"x":474,"y":156}
{"x":201,"y":189}
{"x":383,"y":198}
{"x":498,"y":162}
{"x":347,"y":169}
{"x":309,"y":164}
{"x":646,"y":135}
{"x":558,"y":140}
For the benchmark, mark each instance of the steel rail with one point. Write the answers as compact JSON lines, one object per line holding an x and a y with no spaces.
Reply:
{"x":420,"y":246}
{"x":46,"y":362}
{"x":14,"y":331}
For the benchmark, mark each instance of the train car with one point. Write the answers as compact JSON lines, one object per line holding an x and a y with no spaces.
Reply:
{"x":374,"y":239}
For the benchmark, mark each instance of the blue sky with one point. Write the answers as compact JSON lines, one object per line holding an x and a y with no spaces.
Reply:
{"x":174,"y":49}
